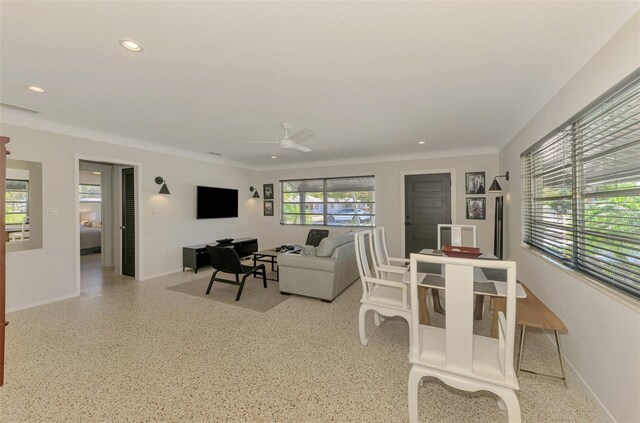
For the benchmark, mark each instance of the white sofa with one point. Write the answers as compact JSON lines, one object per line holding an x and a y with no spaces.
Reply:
{"x":324,"y":276}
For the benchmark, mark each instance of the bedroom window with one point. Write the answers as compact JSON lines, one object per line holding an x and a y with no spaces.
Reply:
{"x":581,"y":191}
{"x":348,"y":201}
{"x":17,"y":201}
{"x":90,"y":193}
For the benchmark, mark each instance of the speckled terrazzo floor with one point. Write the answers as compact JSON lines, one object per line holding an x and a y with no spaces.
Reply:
{"x":138,"y":352}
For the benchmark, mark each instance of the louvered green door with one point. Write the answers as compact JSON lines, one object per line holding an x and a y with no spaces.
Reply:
{"x":128,"y":224}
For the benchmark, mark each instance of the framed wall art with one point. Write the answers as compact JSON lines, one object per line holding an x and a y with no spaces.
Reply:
{"x":268,"y":208}
{"x":474,"y":182}
{"x":267,"y":191}
{"x":476,"y":208}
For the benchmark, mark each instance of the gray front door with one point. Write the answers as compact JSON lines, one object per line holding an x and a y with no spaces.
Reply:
{"x":427,"y":202}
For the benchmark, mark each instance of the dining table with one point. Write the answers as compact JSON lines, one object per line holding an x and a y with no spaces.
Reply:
{"x":486,"y":282}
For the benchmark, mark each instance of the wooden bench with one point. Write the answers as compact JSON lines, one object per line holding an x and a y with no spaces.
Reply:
{"x":533,"y":313}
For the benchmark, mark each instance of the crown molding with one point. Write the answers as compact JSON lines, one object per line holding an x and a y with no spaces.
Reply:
{"x":20,"y":119}
{"x":12,"y":117}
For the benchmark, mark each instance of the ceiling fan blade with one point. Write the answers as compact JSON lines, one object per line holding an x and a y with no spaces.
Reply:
{"x":301,"y":134}
{"x":261,"y":142}
{"x":301,"y":148}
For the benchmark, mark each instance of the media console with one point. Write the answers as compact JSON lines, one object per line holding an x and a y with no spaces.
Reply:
{"x":197,"y":256}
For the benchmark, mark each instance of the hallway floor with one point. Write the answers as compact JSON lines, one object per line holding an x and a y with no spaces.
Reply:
{"x":93,"y":276}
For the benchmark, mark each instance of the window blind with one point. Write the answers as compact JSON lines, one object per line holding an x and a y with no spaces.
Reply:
{"x":348,"y":201}
{"x":581,"y":191}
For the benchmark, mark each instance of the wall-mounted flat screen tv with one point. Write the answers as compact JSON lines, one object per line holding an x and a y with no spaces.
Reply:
{"x":216,"y":203}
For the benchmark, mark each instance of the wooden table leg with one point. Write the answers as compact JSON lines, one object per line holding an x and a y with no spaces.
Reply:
{"x":422,"y":305}
{"x":437,"y":307}
{"x":478,"y":308}
{"x":499,"y":305}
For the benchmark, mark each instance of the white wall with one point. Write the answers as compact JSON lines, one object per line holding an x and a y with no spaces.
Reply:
{"x":389,"y":182}
{"x":168,"y":221}
{"x":603,"y":344}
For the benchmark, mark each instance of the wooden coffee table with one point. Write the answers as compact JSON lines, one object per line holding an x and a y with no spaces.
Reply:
{"x":270,"y":255}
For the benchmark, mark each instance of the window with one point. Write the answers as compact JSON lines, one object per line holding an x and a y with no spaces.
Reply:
{"x":90,"y":193}
{"x":581,"y":191}
{"x":17,"y":201}
{"x":329,"y":201}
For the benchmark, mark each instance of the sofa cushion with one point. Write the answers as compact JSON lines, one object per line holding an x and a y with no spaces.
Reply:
{"x":327,"y":245}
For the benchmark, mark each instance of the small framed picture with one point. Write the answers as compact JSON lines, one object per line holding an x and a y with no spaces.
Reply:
{"x":267,"y":191}
{"x":268,"y":208}
{"x":474,"y":182}
{"x":476,"y":208}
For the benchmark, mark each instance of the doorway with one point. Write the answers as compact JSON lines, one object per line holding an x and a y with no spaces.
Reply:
{"x":427,"y":202}
{"x":106,"y":196}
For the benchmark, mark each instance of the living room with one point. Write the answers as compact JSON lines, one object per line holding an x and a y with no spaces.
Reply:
{"x":489,"y":101}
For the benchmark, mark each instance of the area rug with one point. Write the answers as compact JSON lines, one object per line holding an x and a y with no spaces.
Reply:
{"x":254,"y":296}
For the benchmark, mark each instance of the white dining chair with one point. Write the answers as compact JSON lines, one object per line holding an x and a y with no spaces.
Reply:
{"x":385,"y":266}
{"x":384,"y":297}
{"x":457,"y":232}
{"x":457,"y":236}
{"x":454,"y":354}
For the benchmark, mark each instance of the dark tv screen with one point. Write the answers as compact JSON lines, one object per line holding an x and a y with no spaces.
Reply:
{"x":216,"y":203}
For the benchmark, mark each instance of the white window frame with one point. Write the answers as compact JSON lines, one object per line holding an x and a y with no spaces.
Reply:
{"x":325,"y":206}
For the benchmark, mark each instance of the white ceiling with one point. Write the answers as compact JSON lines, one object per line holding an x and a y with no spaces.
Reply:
{"x":371,"y":77}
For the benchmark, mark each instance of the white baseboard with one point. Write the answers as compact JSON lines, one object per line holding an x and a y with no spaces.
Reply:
{"x":39,"y":303}
{"x":603,"y":409}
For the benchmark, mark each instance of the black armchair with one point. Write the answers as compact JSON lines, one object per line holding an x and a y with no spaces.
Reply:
{"x":226,"y":260}
{"x":315,"y":236}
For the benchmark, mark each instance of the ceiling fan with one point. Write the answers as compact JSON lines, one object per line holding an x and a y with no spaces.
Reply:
{"x":290,"y":141}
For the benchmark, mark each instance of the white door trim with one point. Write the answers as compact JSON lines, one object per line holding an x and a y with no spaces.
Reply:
{"x":137,"y":178}
{"x":450,"y":171}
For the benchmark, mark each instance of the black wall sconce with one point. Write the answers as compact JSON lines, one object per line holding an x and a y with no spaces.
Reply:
{"x":254,"y":191}
{"x":495,"y":186}
{"x":163,"y":189}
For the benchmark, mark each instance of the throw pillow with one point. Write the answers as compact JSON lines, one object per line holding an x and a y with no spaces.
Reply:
{"x":308,"y":250}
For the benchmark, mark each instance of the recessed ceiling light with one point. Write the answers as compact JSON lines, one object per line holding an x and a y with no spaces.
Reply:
{"x":420,"y":142}
{"x":274,"y":157}
{"x":131,"y":45}
{"x":36,"y":89}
